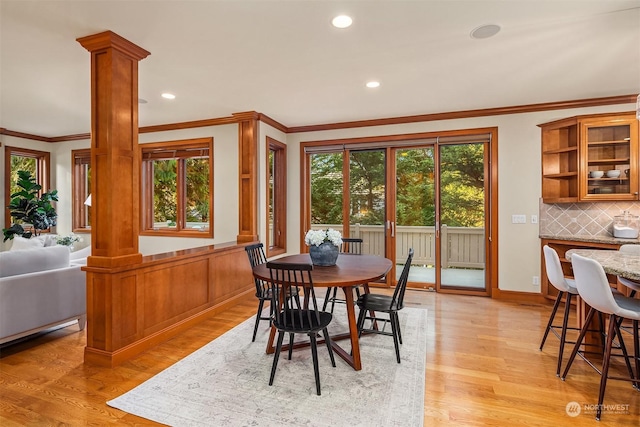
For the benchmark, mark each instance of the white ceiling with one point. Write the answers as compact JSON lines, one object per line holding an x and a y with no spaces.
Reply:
{"x":284,"y":59}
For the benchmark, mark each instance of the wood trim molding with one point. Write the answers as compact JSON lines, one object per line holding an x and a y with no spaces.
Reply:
{"x":529,"y":108}
{"x":236,"y":117}
{"x":517,"y":296}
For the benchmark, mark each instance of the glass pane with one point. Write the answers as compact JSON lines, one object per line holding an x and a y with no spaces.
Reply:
{"x":271,"y":197}
{"x":415,"y":213}
{"x":165,"y":173}
{"x":20,"y":163}
{"x":197,"y":207}
{"x":326,"y":191}
{"x":609,"y":159}
{"x":367,"y":199}
{"x":462,"y":215}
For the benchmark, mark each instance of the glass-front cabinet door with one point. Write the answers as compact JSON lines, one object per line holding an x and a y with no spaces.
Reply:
{"x":609,"y":159}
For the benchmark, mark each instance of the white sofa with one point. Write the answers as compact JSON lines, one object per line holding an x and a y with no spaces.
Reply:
{"x":40,"y":288}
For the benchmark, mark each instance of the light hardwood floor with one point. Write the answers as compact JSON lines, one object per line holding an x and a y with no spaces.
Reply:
{"x":483,"y":369}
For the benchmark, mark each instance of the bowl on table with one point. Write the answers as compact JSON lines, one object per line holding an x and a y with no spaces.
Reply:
{"x":614,"y":173}
{"x":596,"y":174}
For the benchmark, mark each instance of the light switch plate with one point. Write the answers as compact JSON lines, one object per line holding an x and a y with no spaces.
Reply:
{"x":518,"y":219}
{"x":534,"y":219}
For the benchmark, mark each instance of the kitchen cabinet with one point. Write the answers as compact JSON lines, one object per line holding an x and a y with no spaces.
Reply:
{"x":590,"y":158}
{"x":561,"y":247}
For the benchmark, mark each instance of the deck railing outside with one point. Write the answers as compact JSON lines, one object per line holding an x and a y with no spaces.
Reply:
{"x":463,"y":246}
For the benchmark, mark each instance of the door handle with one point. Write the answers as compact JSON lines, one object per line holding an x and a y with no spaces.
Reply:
{"x":393,"y":229}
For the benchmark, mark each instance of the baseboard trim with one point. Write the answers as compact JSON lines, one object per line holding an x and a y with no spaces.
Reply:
{"x":518,"y":296}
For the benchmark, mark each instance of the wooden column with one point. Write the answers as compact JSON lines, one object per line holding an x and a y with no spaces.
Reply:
{"x":248,"y":175}
{"x":114,"y":149}
{"x":112,"y":305}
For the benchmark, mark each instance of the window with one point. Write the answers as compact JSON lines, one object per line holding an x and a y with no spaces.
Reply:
{"x":16,"y":159}
{"x":177,"y":188}
{"x":81,"y":188}
{"x":276,"y":197}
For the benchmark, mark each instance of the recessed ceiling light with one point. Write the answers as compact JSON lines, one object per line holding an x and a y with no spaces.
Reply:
{"x":485,"y":31}
{"x":342,"y":21}
{"x":373,"y":84}
{"x":167,"y":95}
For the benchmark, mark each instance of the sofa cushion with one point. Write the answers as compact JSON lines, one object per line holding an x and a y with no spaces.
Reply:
{"x":80,"y":253}
{"x":20,"y":243}
{"x":25,"y":261}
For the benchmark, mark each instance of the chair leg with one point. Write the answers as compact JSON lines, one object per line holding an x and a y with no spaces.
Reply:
{"x":255,"y":328}
{"x":623,"y":347}
{"x":563,"y":334}
{"x":361,"y":316}
{"x":314,"y":355}
{"x":327,"y":297}
{"x":605,"y":365}
{"x":576,"y":348}
{"x":327,"y":341}
{"x":276,"y":355}
{"x":398,"y":327}
{"x":636,"y":352}
{"x":556,"y":304}
{"x":394,"y":331}
{"x":333,"y":299}
{"x":291,"y":335}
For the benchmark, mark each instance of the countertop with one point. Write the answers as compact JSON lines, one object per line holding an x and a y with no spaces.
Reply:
{"x":593,"y":239}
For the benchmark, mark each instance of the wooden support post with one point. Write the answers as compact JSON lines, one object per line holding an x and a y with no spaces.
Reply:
{"x":248,"y":174}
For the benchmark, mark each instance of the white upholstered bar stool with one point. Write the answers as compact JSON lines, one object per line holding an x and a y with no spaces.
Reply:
{"x":595,"y":290}
{"x":634,"y":286}
{"x":565,"y":286}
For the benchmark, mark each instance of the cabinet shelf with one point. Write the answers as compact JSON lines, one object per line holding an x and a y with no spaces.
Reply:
{"x":563,"y":175}
{"x":617,"y":142}
{"x":620,"y":161}
{"x":620,"y":178}
{"x":560,"y":150}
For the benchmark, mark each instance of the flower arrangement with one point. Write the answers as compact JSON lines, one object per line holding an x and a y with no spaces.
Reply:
{"x":318,"y":237}
{"x":68,"y":240}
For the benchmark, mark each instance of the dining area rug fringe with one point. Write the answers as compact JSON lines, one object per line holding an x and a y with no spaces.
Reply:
{"x":225,"y":382}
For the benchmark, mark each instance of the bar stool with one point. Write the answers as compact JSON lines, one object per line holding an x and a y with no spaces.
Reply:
{"x":564,"y":286}
{"x":593,"y":287}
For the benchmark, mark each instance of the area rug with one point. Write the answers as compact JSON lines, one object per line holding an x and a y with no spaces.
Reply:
{"x":225,"y":383}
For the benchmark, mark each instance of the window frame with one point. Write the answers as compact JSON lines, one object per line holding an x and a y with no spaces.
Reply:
{"x":279,"y":244}
{"x":43,"y":174}
{"x":80,"y":189}
{"x":146,"y":186}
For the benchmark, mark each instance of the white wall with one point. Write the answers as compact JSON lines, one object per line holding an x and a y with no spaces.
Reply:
{"x":519,"y":180}
{"x":225,"y":216}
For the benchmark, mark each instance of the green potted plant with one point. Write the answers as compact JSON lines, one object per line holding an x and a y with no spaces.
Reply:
{"x":28,"y":206}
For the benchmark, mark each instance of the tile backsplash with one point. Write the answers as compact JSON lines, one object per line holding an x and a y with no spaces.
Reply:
{"x":582,"y":219}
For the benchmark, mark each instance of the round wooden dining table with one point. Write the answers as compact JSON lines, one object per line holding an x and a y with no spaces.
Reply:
{"x":349,"y":271}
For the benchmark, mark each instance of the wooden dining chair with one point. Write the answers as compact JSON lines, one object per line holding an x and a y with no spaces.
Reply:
{"x":391,"y":305}
{"x":350,"y":245}
{"x":294,"y":279}
{"x":256,"y":256}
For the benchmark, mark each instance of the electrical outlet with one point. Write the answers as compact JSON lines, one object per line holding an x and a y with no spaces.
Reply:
{"x":518,"y":219}
{"x":536,"y":281}
{"x":534,"y":219}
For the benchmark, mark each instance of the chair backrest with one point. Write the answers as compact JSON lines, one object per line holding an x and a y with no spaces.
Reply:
{"x":401,"y":287}
{"x":630,"y":249}
{"x":593,"y":285}
{"x":292,"y":279}
{"x":257,"y":256}
{"x":351,"y":245}
{"x":554,"y":269}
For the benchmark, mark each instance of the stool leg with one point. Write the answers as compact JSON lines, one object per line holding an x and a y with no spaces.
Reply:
{"x":551,"y":317}
{"x":605,"y":364}
{"x":636,"y":352}
{"x":563,"y":335}
{"x":576,"y":348}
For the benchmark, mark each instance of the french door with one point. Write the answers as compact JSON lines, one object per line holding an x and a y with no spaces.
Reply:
{"x":430,"y":194}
